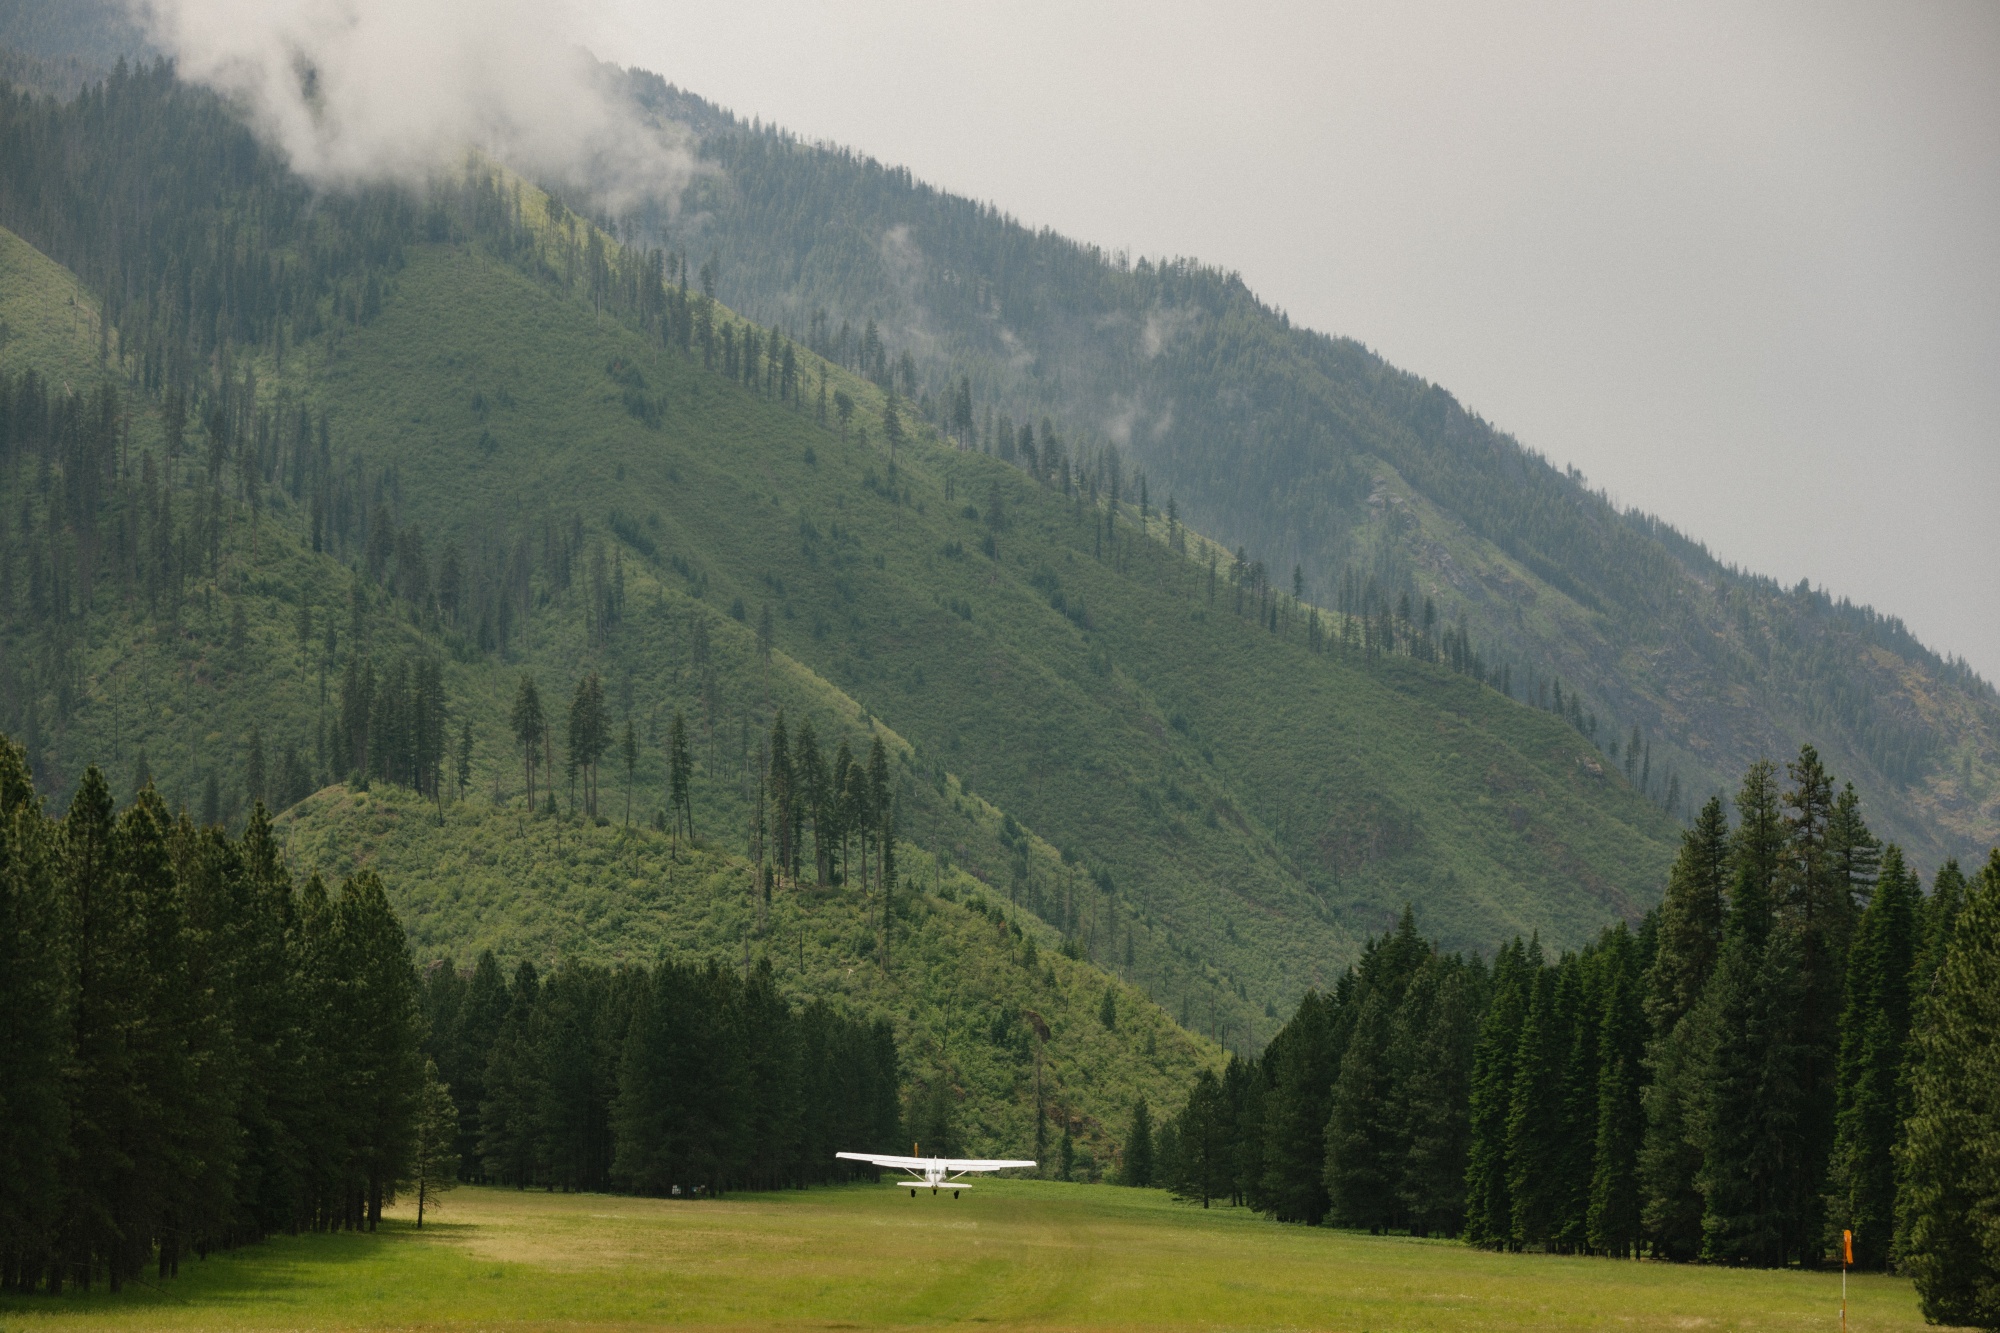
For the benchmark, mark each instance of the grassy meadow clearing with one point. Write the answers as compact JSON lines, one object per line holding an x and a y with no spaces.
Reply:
{"x":1023,"y":1254}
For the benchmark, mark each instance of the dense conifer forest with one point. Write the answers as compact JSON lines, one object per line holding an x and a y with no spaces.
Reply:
{"x":669,"y":1080}
{"x":199,"y":1052}
{"x":1785,"y":1049}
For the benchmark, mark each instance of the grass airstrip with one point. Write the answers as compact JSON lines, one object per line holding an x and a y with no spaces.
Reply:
{"x":1016,"y":1254}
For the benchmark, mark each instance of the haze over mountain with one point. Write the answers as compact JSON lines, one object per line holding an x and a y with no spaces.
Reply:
{"x":310,"y":482}
{"x":1279,"y":471}
{"x":1669,"y":245}
{"x":1393,"y":503}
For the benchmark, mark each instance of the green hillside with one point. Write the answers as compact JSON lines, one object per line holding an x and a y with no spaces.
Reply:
{"x":50,"y":323}
{"x":516,"y":453}
{"x":963,"y":976}
{"x":1315,"y":454}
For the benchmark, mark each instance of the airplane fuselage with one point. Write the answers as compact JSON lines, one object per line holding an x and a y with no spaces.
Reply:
{"x":934,"y":1175}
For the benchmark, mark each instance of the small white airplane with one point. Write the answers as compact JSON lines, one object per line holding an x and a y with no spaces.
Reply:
{"x":933,"y":1173}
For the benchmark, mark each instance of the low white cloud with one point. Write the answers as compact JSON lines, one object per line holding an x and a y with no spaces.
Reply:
{"x":361,"y":90}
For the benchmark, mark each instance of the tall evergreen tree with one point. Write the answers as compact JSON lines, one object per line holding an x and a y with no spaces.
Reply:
{"x":507,"y":1130}
{"x":105,"y":1105}
{"x":1536,"y":1119}
{"x":1614,"y":1223}
{"x":782,"y":786}
{"x":1949,"y":1161}
{"x":528,"y":720}
{"x":1938,"y":918}
{"x":33,"y":1120}
{"x":1690,"y":938}
{"x":680,"y":777}
{"x":434,"y":1143}
{"x":482,"y":1013}
{"x":1489,"y":1204}
{"x":1303,"y":1060}
{"x":628,"y":750}
{"x":1202,"y":1138}
{"x":1138,"y":1165}
{"x":589,"y":736}
{"x":379,"y":1006}
{"x":815,"y":800}
{"x":1365,"y":1143}
{"x":1874,"y":1036}
{"x":1818,"y":903}
{"x":1691,"y":916}
{"x":1437,"y":1028}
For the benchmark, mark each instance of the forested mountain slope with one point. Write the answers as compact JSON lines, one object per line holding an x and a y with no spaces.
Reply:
{"x":380,"y":456}
{"x":1314,"y":454}
{"x":195,"y":639}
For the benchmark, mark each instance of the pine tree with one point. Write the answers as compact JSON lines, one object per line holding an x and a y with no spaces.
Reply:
{"x":1489,"y":1205}
{"x":1536,"y":1128}
{"x":1751,"y":1065}
{"x":1874,"y":1036}
{"x":784,"y":800}
{"x":1690,"y":937}
{"x":589,"y":736}
{"x":629,"y":751}
{"x":1432,"y":1054}
{"x":482,"y":1012}
{"x":1364,"y":1132}
{"x":1939,"y":917}
{"x":434,"y":1144}
{"x":1736,"y":1045}
{"x":680,"y":776}
{"x":1690,"y":930}
{"x":1949,"y":1160}
{"x":255,"y":786}
{"x":1615,"y":1198}
{"x":1302,"y":1061}
{"x":528,"y":721}
{"x":892,"y":422}
{"x":814,"y":801}
{"x":1855,"y":852}
{"x":1580,"y":999}
{"x":380,"y":1007}
{"x":507,"y":1135}
{"x":105,"y":1105}
{"x":1818,"y":902}
{"x":1202,"y":1140}
{"x":1139,"y":1146}
{"x":33,"y":1120}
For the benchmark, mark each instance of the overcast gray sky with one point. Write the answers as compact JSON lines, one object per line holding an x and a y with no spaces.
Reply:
{"x":1738,"y":262}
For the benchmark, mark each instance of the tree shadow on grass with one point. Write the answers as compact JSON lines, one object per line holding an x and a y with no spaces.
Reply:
{"x":278,"y":1270}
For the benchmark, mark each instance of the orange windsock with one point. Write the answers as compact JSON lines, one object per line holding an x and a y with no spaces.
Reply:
{"x":1847,"y":1247}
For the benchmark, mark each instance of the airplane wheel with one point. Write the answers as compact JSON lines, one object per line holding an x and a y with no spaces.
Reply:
{"x":954,"y":1194}
{"x":913,"y":1194}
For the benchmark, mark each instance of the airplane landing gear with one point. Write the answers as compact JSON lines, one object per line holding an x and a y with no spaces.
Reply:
{"x":913,"y":1194}
{"x":954,"y":1194}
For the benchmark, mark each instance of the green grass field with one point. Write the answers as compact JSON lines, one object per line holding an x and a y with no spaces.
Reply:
{"x":1012,"y":1253}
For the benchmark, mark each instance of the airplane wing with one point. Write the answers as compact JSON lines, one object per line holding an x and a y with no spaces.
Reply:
{"x":883,"y":1159}
{"x":895,"y":1163}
